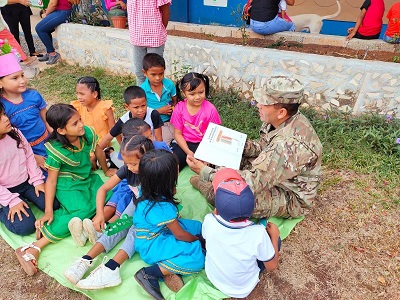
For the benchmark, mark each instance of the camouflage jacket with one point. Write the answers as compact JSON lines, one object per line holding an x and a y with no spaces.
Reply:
{"x":288,"y":157}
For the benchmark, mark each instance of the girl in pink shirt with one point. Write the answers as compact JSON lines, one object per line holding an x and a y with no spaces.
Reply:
{"x":191,"y":115}
{"x":21,"y":180}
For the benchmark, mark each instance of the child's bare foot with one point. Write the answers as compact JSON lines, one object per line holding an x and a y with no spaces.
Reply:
{"x":27,"y":257}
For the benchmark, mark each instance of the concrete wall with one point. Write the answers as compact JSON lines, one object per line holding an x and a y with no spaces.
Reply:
{"x":346,"y":84}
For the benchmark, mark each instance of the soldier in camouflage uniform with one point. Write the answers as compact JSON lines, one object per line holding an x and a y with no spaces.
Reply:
{"x":283,"y":167}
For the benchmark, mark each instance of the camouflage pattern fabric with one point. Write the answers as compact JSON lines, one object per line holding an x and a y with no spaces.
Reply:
{"x":282,"y":169}
{"x":280,"y":89}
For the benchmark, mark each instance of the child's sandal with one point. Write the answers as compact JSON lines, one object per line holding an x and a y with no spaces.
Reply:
{"x":26,"y":259}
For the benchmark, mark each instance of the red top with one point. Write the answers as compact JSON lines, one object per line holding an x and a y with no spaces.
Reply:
{"x":63,"y":5}
{"x":372,"y":22}
{"x":393,"y":15}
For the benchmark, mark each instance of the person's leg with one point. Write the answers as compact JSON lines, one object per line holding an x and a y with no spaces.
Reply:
{"x":271,"y":27}
{"x":168,"y":133}
{"x":28,"y":255}
{"x":25,"y":20}
{"x":138,"y":54}
{"x":365,"y":37}
{"x":12,"y":22}
{"x":22,"y":227}
{"x":108,"y":275}
{"x":181,"y":155}
{"x":46,"y":26}
{"x":7,"y":35}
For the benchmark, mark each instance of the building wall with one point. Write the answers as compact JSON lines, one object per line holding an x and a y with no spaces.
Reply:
{"x":349,"y":8}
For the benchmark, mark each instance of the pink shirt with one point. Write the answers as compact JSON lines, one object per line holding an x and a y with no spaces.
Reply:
{"x":16,"y":165}
{"x":63,"y":5}
{"x":194,"y":127}
{"x":145,"y":22}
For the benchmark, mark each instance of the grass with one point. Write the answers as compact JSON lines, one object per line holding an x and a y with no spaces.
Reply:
{"x":367,"y":144}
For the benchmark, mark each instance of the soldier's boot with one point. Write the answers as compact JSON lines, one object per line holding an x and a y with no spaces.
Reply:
{"x":205,"y":188}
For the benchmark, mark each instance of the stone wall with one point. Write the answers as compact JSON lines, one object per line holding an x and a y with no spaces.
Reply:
{"x":331,"y":83}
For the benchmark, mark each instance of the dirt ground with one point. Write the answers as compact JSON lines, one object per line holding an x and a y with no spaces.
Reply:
{"x":298,"y":47}
{"x":348,"y":247}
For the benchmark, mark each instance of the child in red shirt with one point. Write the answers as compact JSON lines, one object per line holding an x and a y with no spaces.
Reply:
{"x":369,"y":22}
{"x":392,"y":34}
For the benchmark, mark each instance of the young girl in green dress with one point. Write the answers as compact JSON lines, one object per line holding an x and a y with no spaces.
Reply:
{"x":70,"y":180}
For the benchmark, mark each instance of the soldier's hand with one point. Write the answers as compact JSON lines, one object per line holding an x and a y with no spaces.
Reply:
{"x":194,"y":164}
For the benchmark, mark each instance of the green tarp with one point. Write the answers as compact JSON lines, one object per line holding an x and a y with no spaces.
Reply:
{"x":54,"y":259}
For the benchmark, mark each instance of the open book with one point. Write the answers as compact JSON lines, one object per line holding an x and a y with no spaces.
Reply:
{"x":221,"y":146}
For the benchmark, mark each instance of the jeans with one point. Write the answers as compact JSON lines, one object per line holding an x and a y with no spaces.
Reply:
{"x":27,"y":225}
{"x":391,"y":40}
{"x":275,"y":25}
{"x":138,"y":53}
{"x":45,"y":27}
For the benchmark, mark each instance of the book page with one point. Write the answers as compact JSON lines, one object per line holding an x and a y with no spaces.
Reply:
{"x":221,"y":146}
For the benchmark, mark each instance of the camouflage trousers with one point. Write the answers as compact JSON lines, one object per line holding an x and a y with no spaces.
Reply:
{"x":274,"y":202}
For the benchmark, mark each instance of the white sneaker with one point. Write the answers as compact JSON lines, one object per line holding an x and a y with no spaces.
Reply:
{"x":89,"y":231}
{"x":78,"y":268}
{"x":75,"y":227}
{"x":99,"y":278}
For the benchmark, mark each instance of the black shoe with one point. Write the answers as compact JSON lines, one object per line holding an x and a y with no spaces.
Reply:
{"x":144,"y":280}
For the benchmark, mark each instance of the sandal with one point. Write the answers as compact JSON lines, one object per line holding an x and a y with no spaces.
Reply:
{"x":26,"y":259}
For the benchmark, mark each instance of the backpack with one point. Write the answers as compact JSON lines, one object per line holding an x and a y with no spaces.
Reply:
{"x":246,"y":12}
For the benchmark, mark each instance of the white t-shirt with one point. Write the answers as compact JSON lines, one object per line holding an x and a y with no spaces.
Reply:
{"x":232,"y":253}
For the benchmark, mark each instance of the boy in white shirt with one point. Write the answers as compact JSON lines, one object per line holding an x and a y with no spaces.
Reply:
{"x":237,"y":249}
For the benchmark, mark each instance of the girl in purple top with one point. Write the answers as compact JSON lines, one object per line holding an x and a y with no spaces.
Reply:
{"x":191,"y":115}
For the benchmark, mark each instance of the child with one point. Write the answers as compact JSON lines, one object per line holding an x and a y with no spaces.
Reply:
{"x":69,"y":179}
{"x":241,"y":249}
{"x":369,"y":22}
{"x":282,"y":11}
{"x":392,"y":34}
{"x":192,"y":115}
{"x":94,"y":112}
{"x":164,"y":241}
{"x":160,"y":92}
{"x":107,"y":275}
{"x":25,"y":107}
{"x":147,"y":20}
{"x":136,"y":104}
{"x":121,"y":193}
{"x":20,"y":180}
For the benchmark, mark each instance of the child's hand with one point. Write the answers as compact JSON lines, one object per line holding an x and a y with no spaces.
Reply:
{"x":122,"y":3}
{"x":47,"y":217}
{"x":18,"y":209}
{"x":273,"y":231}
{"x":166,"y":110}
{"x":39,"y":188}
{"x":40,"y":161}
{"x":110,"y":172}
{"x":194,"y":163}
{"x":99,"y":223}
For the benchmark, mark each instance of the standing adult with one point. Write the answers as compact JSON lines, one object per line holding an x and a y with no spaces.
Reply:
{"x":264,"y":17}
{"x":147,"y":22}
{"x":57,"y":12}
{"x":5,"y":34}
{"x":15,"y":14}
{"x":282,"y":168}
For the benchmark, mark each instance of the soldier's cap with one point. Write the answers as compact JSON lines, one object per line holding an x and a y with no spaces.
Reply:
{"x":280,"y":89}
{"x":233,"y":197}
